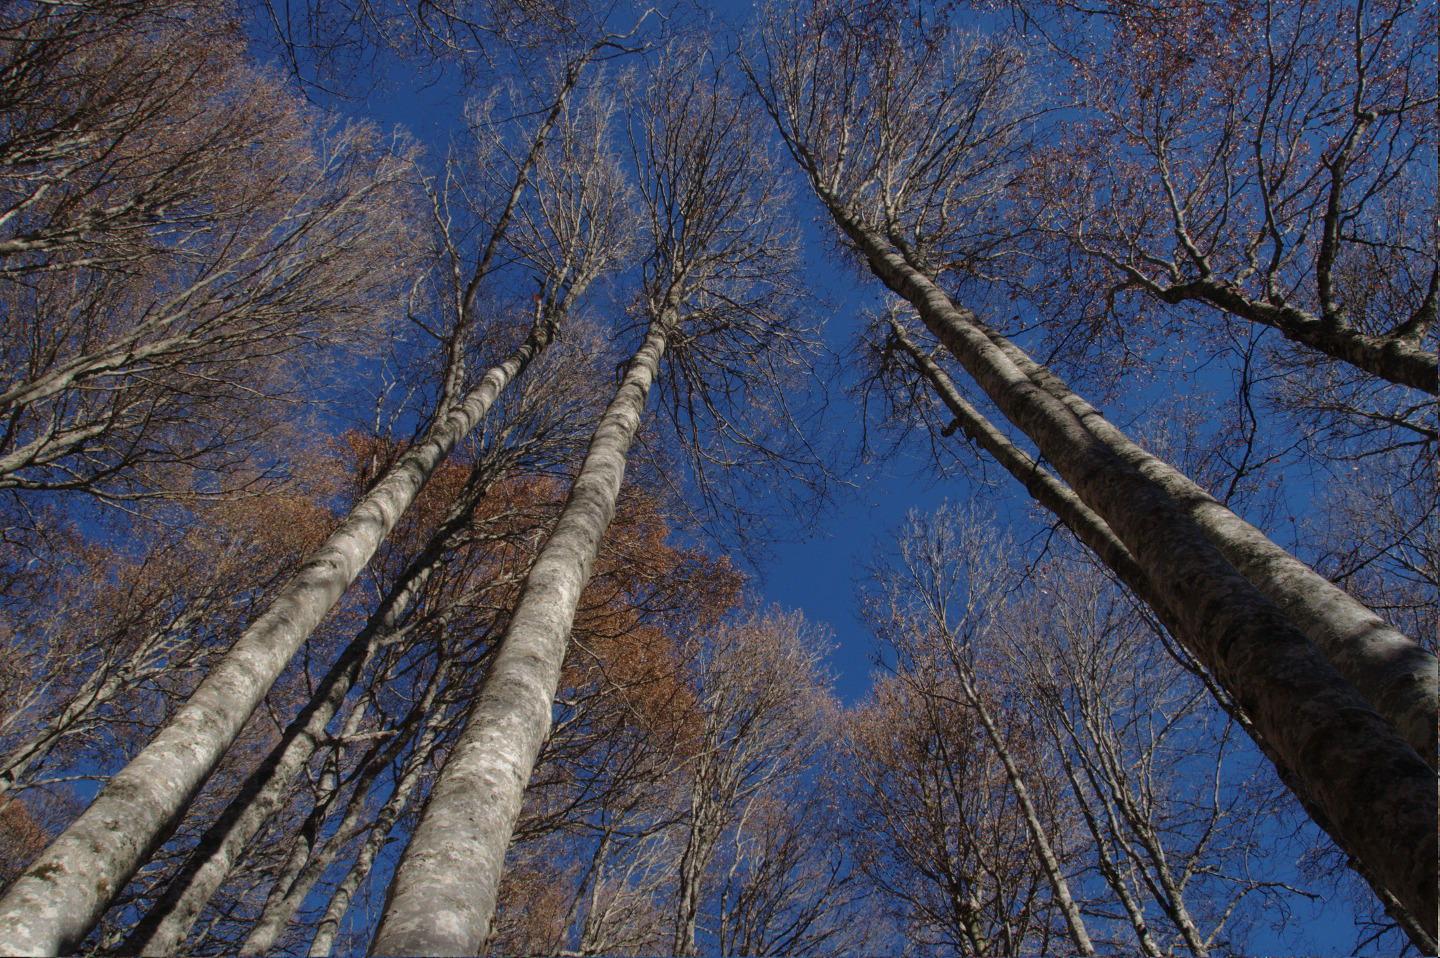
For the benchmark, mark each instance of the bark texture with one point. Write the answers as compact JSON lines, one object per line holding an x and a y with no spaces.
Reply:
{"x":1394,"y":673}
{"x":1375,"y":789}
{"x":1395,"y":358}
{"x":1043,"y":487}
{"x":51,"y":908}
{"x":442,"y":896}
{"x":163,"y":929}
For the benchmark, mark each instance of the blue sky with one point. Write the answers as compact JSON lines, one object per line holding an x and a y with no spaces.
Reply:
{"x":815,"y":569}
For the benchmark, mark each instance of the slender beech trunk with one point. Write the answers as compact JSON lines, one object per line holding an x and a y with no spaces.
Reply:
{"x":1043,"y":487}
{"x":1109,"y":869}
{"x":290,"y":892}
{"x":442,"y":896}
{"x":705,"y":825}
{"x":385,"y":820}
{"x":1375,"y":790}
{"x":1394,"y":673}
{"x":53,"y":906}
{"x":163,"y":929}
{"x":1073,"y":921}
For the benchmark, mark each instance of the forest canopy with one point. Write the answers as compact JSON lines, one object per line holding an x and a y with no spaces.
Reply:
{"x":402,"y":405}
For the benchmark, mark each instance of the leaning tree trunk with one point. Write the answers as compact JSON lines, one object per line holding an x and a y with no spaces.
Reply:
{"x":54,"y":904}
{"x":1043,"y":487}
{"x":167,"y":923}
{"x":286,"y":898}
{"x":1378,"y":794}
{"x":1394,"y":673}
{"x":385,"y":820}
{"x":442,"y":895}
{"x":1051,"y":493}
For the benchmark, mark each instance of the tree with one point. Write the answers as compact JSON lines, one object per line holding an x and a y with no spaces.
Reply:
{"x":150,"y":795}
{"x":934,"y":603}
{"x":817,"y":73}
{"x":718,"y":270}
{"x":182,"y":244}
{"x":1176,"y":824}
{"x":934,"y":828}
{"x":761,"y":711}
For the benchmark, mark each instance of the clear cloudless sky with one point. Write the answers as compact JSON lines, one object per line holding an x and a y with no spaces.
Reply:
{"x":816,"y":569}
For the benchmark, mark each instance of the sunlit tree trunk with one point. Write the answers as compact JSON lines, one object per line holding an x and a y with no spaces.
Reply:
{"x":443,"y":893}
{"x":290,"y":890}
{"x":1323,"y":728}
{"x":57,"y":901}
{"x":1394,"y":673}
{"x":74,"y":881}
{"x":163,"y":929}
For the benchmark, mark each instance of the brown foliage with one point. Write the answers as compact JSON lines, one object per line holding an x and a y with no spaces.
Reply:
{"x":178,"y":238}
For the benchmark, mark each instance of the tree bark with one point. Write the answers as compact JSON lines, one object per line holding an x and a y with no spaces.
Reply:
{"x":163,"y":929}
{"x":329,"y":925}
{"x":1372,"y":785}
{"x":1043,"y":487}
{"x":1397,"y":359}
{"x":442,"y":897}
{"x":51,"y":907}
{"x":1394,"y":673}
{"x":290,"y":894}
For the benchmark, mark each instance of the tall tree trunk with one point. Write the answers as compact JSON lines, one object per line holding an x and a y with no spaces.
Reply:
{"x":1376,"y":791}
{"x":442,"y":896}
{"x":288,"y":895}
{"x":162,"y":930}
{"x":1109,"y":868}
{"x":1394,"y":673}
{"x":1043,"y":487}
{"x":51,"y":907}
{"x":393,"y":808}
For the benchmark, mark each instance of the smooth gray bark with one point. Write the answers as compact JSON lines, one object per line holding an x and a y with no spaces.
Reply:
{"x":1394,"y":673}
{"x":51,"y":907}
{"x":1376,"y":791}
{"x":163,"y":929}
{"x":329,"y":925}
{"x":442,"y":896}
{"x":1043,"y":487}
{"x":1091,"y":530}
